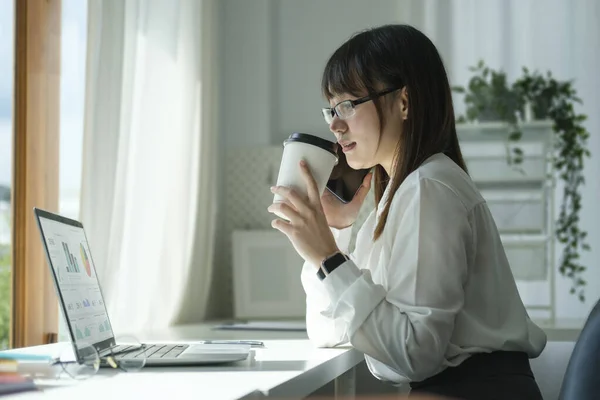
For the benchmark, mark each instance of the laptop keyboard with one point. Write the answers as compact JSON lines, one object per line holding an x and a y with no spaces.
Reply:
{"x":149,"y":351}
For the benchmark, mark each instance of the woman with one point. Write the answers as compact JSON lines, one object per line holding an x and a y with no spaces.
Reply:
{"x":427,"y":295}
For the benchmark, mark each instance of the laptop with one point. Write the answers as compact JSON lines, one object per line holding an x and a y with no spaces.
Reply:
{"x":80,"y":296}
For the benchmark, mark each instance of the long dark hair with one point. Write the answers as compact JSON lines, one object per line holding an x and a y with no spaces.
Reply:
{"x":399,"y":56}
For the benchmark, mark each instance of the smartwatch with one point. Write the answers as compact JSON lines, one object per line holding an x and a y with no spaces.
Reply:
{"x":330,"y":264}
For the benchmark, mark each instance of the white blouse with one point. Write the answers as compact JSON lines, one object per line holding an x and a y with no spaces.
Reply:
{"x":434,"y":288}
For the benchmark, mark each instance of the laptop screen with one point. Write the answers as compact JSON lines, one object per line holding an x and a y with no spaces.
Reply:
{"x":75,"y":277}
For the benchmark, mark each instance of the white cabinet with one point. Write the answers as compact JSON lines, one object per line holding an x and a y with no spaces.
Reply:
{"x":517,"y":210}
{"x":521,"y":199}
{"x":266,"y":276}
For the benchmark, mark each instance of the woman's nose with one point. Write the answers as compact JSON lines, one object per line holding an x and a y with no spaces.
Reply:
{"x":338,"y":126}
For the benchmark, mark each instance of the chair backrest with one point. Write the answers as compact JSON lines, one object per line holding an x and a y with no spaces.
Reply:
{"x":582,"y":377}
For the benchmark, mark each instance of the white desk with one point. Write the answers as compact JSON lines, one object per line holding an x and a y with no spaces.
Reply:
{"x":286,"y":367}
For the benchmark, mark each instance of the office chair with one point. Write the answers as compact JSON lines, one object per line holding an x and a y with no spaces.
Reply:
{"x":582,"y":377}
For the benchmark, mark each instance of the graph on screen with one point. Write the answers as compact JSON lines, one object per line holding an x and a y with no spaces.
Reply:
{"x":82,"y":334}
{"x":72,"y":264}
{"x":86,"y":260}
{"x":80,"y":293}
{"x":104,"y":327}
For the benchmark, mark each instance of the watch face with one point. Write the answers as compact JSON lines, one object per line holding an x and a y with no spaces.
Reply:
{"x":330,"y":264}
{"x":333,"y":262}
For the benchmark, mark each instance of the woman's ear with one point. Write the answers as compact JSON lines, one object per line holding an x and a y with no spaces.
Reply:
{"x":404,"y":103}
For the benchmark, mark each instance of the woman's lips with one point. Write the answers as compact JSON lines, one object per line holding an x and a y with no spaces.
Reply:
{"x":348,"y":146}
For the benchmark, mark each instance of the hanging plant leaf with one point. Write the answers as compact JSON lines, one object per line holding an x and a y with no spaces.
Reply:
{"x":488,"y":95}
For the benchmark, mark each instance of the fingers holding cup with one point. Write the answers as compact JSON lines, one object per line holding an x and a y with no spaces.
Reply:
{"x":290,"y":197}
{"x":285,"y":211}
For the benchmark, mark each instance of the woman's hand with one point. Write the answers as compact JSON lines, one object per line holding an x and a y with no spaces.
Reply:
{"x":307,"y":226}
{"x":340,"y":215}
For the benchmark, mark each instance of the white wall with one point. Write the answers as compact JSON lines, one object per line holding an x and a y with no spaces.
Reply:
{"x":246,"y":71}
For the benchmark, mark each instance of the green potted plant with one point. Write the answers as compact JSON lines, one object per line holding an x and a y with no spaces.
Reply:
{"x":534,"y":96}
{"x":488,"y":97}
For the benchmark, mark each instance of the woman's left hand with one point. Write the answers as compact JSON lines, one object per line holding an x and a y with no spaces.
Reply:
{"x":307,"y":226}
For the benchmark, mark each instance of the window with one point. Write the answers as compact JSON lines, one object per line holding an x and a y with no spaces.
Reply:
{"x":6,"y":95}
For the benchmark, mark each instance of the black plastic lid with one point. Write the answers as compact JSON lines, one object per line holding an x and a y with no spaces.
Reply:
{"x":314,"y":140}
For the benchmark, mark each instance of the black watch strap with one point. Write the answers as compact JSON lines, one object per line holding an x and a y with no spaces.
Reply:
{"x":330,"y":264}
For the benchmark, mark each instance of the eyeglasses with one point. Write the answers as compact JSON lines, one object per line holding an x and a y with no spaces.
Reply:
{"x":130,"y":356}
{"x":347,"y":108}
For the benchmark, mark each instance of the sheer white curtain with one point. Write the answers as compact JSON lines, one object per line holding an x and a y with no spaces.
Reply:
{"x":557,"y":35}
{"x":148,"y":195}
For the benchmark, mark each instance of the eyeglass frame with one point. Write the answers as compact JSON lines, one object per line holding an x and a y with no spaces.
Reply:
{"x":332,"y":112}
{"x":109,"y":359}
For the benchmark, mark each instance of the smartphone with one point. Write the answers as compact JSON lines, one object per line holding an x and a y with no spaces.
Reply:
{"x":345,"y":181}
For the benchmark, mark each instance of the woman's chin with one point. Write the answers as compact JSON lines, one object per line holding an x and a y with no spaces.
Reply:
{"x":357,"y":164}
{"x":354,"y":164}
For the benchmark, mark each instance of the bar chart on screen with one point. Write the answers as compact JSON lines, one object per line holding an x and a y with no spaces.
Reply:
{"x":76,"y":263}
{"x":72,"y":264}
{"x":80,"y":301}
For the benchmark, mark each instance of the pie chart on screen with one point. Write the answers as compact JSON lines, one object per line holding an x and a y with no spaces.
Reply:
{"x":86,"y":260}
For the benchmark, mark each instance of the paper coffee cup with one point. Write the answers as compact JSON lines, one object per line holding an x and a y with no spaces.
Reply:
{"x":319,"y":154}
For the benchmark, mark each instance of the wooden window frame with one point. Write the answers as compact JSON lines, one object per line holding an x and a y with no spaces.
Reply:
{"x":35,"y":169}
